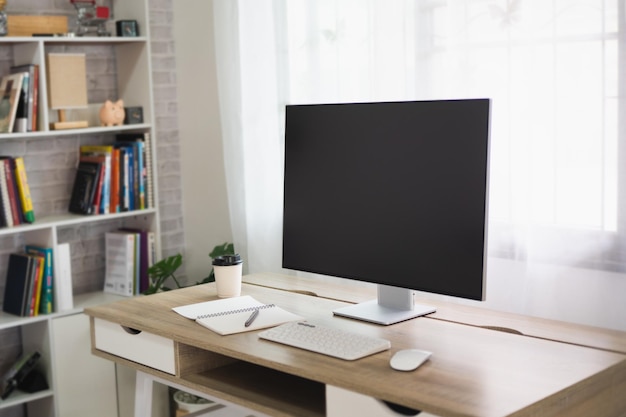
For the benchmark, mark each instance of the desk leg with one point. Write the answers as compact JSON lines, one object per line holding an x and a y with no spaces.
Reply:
{"x":143,"y":394}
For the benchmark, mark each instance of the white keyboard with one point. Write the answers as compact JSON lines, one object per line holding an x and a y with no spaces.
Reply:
{"x":326,"y":340}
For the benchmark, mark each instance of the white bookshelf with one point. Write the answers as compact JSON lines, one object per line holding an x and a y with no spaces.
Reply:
{"x":133,"y":74}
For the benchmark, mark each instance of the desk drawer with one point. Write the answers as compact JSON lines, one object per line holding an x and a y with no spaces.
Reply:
{"x":144,"y":348}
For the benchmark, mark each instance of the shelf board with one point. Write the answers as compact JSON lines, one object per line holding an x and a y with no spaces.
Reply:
{"x":69,"y":219}
{"x":241,"y":382}
{"x":20,"y":397}
{"x":81,"y":302}
{"x":42,"y":134}
{"x":74,"y":39}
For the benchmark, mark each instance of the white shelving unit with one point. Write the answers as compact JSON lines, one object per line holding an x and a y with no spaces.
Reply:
{"x":47,"y":333}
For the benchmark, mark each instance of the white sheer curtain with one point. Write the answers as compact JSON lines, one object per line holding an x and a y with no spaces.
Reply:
{"x":554,"y":69}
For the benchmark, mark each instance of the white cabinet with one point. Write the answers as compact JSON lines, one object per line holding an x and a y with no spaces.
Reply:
{"x":73,"y":365}
{"x":125,"y":62}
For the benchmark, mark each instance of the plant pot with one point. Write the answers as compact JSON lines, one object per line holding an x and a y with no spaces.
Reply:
{"x":190,"y":403}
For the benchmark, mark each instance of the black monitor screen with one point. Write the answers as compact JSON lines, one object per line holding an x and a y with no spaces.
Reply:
{"x":391,"y":193}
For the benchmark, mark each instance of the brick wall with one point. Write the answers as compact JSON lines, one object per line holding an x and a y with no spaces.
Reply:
{"x":166,"y":112}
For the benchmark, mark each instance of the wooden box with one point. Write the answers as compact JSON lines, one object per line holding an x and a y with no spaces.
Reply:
{"x":26,"y":25}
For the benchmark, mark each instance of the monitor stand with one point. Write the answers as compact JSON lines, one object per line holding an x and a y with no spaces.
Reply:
{"x":392,"y":306}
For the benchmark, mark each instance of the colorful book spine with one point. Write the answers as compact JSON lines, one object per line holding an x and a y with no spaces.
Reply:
{"x":34,"y":285}
{"x":106,"y":151}
{"x":24,"y":190}
{"x":98,"y":192}
{"x":14,"y":198}
{"x":141,"y":177}
{"x":124,"y":181}
{"x":145,"y":180}
{"x":6,"y":199}
{"x":115,"y":181}
{"x":35,"y":107}
{"x":41,"y":264}
{"x":46,"y":306}
{"x":130,"y":152}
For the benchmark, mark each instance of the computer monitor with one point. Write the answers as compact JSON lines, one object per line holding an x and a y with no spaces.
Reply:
{"x":392,"y":193}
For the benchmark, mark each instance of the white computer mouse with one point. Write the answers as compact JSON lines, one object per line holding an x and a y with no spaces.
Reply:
{"x":408,"y":359}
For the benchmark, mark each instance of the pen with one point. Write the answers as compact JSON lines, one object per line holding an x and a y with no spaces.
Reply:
{"x":252,"y":317}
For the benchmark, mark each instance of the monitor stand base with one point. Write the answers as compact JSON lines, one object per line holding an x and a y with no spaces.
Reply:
{"x":373,"y":312}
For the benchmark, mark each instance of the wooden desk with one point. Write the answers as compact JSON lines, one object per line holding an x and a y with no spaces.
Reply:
{"x":346,"y":290}
{"x":473,"y":371}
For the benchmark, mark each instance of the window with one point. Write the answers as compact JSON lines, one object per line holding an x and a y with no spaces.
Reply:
{"x":553,"y":72}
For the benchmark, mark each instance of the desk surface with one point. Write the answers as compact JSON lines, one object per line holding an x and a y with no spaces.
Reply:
{"x":473,"y":371}
{"x":346,"y":290}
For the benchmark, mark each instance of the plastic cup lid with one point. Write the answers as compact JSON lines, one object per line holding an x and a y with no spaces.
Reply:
{"x":226,"y":260}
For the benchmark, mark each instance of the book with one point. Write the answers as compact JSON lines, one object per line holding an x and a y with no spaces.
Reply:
{"x":144,"y":151}
{"x":17,"y":285}
{"x":229,"y":315}
{"x":3,"y":222}
{"x":10,"y":88}
{"x":130,"y":175}
{"x":119,"y":271}
{"x":32,"y":93}
{"x":142,"y":280}
{"x":46,"y":305}
{"x":24,"y":190}
{"x":104,"y":206}
{"x":84,"y":189}
{"x":152,"y":257}
{"x":18,"y":372}
{"x":35,"y":99}
{"x":97,"y":196}
{"x":63,"y":289}
{"x":35,"y":285}
{"x":41,"y":276}
{"x":21,"y":114}
{"x":7,"y":215}
{"x":14,"y":198}
{"x":124,"y":180}
{"x":115,"y":181}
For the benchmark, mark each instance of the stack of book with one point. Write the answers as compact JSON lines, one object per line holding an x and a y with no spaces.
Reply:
{"x":18,"y":103}
{"x":16,"y":203}
{"x":29,"y":279}
{"x":114,"y":178}
{"x":129,"y":253}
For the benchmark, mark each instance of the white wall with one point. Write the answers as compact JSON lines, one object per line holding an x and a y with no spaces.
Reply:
{"x":205,"y":202}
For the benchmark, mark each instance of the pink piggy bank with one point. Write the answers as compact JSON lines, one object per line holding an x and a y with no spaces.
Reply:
{"x":112,"y":114}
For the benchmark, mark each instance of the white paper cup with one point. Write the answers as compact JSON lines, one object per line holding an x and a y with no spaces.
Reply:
{"x":228,"y":271}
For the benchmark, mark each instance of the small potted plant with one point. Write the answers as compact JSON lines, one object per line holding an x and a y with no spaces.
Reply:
{"x":166,"y":268}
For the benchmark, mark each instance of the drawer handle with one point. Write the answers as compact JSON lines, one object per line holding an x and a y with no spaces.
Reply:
{"x":130,"y":330}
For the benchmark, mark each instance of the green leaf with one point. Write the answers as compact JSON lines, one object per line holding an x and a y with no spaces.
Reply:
{"x":166,"y":267}
{"x":223,"y":249}
{"x":161,"y":271}
{"x":219,"y":250}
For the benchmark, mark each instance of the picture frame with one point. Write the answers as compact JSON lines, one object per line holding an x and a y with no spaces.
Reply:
{"x":127,"y":28}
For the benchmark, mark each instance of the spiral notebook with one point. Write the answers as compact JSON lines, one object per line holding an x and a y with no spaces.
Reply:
{"x":229,"y":315}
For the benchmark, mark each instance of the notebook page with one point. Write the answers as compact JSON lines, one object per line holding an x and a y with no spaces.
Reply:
{"x":192,"y":311}
{"x":229,"y":315}
{"x":235,"y":322}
